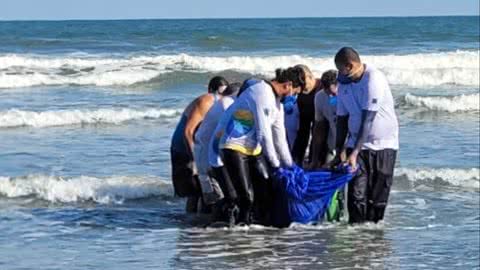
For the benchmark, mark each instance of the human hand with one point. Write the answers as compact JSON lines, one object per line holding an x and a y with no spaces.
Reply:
{"x":352,"y":161}
{"x":343,"y":155}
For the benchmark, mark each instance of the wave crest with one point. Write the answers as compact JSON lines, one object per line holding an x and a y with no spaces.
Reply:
{"x":461,"y":103}
{"x":469,"y":178}
{"x":84,"y":188}
{"x":429,"y":69}
{"x":18,"y":118}
{"x":116,"y":189}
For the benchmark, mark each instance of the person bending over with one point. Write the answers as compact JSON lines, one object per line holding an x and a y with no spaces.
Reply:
{"x":184,"y":175}
{"x":366,"y":111}
{"x":254,"y":132}
{"x":324,"y":131}
{"x":211,"y":191}
{"x":306,"y":113}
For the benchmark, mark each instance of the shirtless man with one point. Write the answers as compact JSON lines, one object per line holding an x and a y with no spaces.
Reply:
{"x":184,"y":173}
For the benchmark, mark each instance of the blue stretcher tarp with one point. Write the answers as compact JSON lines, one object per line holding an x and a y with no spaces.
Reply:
{"x":304,"y":196}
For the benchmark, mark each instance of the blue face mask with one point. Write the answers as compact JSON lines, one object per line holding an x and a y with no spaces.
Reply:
{"x":344,"y":79}
{"x":332,"y":100}
{"x":289,"y":103}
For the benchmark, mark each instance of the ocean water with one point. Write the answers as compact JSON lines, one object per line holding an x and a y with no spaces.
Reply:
{"x":87,"y":109}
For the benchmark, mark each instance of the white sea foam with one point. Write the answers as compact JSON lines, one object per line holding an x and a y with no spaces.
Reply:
{"x":116,"y":189}
{"x":451,"y":104}
{"x":469,"y":178}
{"x":18,"y":118}
{"x":83,"y":188}
{"x":429,"y":69}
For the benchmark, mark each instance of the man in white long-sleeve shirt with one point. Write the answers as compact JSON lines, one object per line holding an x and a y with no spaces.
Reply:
{"x":255,"y":131}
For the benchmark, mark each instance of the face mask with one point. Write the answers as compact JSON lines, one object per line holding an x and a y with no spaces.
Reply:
{"x":289,"y":103}
{"x":332,"y":100}
{"x":347,"y":79}
{"x":344,"y":79}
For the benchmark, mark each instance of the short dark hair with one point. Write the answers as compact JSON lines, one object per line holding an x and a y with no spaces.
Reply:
{"x":346,"y":55}
{"x":215,"y":83}
{"x":328,"y":78}
{"x":296,"y":75}
{"x":232,"y":89}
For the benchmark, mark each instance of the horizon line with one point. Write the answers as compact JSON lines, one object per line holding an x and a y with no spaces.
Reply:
{"x":236,"y":18}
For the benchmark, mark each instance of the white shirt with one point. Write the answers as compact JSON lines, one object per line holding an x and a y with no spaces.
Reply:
{"x":371,"y":93}
{"x":214,"y":158}
{"x":254,"y":124}
{"x":324,"y":111}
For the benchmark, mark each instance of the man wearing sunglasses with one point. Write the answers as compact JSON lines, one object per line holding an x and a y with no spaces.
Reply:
{"x":365,"y":111}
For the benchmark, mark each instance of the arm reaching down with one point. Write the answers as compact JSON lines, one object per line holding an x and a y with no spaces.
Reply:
{"x":263,"y":129}
{"x":342,"y":132}
{"x":365,"y":127}
{"x":200,"y":108}
{"x":280,"y":140}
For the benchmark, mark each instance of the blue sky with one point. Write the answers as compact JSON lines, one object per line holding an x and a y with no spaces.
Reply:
{"x":134,"y":9}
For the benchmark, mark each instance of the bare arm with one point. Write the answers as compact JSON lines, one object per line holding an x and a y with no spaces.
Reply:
{"x":200,"y":108}
{"x":342,"y":132}
{"x":365,"y":127}
{"x":364,"y":130}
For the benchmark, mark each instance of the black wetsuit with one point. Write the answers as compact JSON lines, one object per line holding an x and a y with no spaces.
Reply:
{"x":306,"y":108}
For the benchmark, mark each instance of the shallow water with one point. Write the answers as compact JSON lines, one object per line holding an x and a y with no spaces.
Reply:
{"x":424,"y":229}
{"x":87,"y":110}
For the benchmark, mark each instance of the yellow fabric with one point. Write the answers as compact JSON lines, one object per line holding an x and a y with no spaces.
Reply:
{"x":243,"y":150}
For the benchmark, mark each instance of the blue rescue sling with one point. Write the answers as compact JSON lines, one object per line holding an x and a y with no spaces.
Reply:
{"x":304,"y":197}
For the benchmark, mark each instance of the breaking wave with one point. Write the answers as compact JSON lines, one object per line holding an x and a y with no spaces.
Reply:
{"x":117,"y":189}
{"x":460,"y":103}
{"x":19,"y":118}
{"x":84,"y":188}
{"x":468,"y":178}
{"x":429,"y":69}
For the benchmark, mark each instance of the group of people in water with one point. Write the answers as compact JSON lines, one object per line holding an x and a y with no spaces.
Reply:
{"x":230,"y":141}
